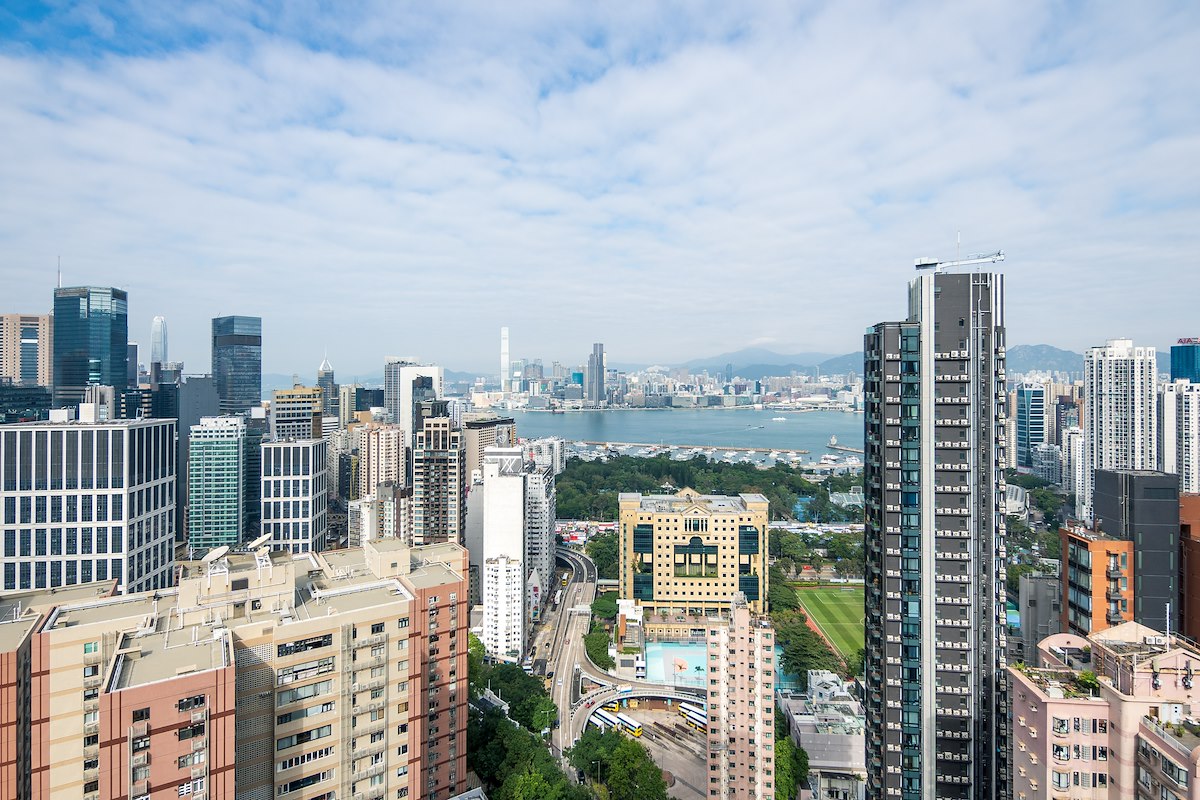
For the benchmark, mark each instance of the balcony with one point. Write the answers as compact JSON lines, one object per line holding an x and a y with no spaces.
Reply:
{"x":139,"y":729}
{"x":140,"y":759}
{"x":370,"y":641}
{"x":369,"y":772}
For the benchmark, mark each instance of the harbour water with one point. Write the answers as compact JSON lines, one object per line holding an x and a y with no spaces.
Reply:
{"x":707,"y":428}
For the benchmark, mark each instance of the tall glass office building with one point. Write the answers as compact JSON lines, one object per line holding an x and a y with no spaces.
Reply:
{"x":1185,"y":360}
{"x":91,"y":334}
{"x":237,"y":362}
{"x":217,"y":451}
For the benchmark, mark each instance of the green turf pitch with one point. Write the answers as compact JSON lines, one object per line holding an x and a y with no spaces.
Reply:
{"x":838,"y":611}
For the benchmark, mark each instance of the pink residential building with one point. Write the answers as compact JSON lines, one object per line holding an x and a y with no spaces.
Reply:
{"x":1108,"y":716}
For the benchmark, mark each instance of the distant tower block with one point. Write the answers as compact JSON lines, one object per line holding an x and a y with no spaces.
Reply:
{"x":504,"y":362}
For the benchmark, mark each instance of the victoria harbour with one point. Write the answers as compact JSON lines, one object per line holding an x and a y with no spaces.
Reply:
{"x":709,"y":428}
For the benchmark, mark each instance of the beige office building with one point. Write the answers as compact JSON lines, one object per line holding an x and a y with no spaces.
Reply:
{"x":686,"y":554}
{"x":296,"y":413}
{"x":27,"y":348}
{"x":262,"y":675}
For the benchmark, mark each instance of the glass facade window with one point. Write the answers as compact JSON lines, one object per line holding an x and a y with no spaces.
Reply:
{"x":237,"y":362}
{"x":91,"y":338}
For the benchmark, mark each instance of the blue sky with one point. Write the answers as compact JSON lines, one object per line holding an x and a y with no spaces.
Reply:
{"x":676,"y":179}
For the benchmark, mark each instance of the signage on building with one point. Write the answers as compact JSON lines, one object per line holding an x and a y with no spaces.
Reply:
{"x":1189,"y":340}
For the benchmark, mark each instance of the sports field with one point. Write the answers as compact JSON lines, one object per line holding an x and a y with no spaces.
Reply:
{"x":838,"y":611}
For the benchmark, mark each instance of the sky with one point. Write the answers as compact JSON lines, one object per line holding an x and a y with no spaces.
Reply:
{"x":676,"y":180}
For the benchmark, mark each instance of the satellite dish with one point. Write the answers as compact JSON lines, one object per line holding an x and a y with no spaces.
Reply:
{"x":214,"y":555}
{"x":259,"y":542}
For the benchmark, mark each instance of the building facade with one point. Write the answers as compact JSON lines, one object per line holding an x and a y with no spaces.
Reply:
{"x":1031,"y":421}
{"x":687,"y":553}
{"x":741,"y":704}
{"x":295,"y":494}
{"x":217,"y":467}
{"x":158,"y":341}
{"x":382,"y":456}
{"x":481,"y":432}
{"x":1040,"y":604}
{"x":346,"y":674}
{"x":1120,"y":420}
{"x":597,"y":367}
{"x":27,"y":349}
{"x":1179,"y":432}
{"x":296,"y":413}
{"x":439,"y":501}
{"x":327,"y":383}
{"x":91,"y":337}
{"x":936,"y":698}
{"x":405,"y":384}
{"x":1142,"y":507}
{"x":237,"y":362}
{"x":1185,"y":360}
{"x":1098,"y":580}
{"x":85,"y":501}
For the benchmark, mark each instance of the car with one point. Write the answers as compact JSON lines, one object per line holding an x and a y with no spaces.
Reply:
{"x":590,"y":703}
{"x":560,"y":681}
{"x":550,"y":674}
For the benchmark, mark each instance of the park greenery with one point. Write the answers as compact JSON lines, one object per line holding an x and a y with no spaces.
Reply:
{"x":621,"y":764}
{"x":595,"y":642}
{"x":604,"y":549}
{"x":791,"y":762}
{"x":843,"y":550}
{"x":589,"y":489}
{"x":529,"y":704}
{"x":605,"y":606}
{"x":513,"y":763}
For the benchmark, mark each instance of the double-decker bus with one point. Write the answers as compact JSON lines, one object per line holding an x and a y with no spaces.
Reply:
{"x":612,"y":707}
{"x":630,"y":724}
{"x":684,"y":708}
{"x":604,"y":720}
{"x":696,"y":720}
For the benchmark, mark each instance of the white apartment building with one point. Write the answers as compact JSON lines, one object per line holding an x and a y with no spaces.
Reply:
{"x":1072,"y":464}
{"x":550,"y":451}
{"x":83,"y":500}
{"x":295,"y":494}
{"x":382,"y":457}
{"x":400,"y":394}
{"x":1120,"y":419}
{"x":741,"y":704}
{"x":504,"y":563}
{"x":1179,"y":432}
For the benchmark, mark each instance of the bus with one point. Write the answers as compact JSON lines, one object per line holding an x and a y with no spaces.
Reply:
{"x":689,"y":708}
{"x":612,"y":707}
{"x":604,"y":720}
{"x":697,"y":721}
{"x":630,"y":724}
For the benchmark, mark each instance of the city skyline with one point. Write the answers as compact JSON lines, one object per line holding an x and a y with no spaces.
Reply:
{"x":604,"y":164}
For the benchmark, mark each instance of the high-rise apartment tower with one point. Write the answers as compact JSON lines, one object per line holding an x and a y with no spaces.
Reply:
{"x":936,"y":702}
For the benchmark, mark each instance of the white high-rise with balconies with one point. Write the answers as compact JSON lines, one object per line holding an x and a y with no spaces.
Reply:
{"x":1179,"y":432}
{"x":1120,"y":425}
{"x":504,"y":567}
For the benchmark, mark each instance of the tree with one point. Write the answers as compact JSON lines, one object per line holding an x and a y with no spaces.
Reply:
{"x":605,"y":606}
{"x":604,"y":549}
{"x":475,"y":664}
{"x":780,"y":596}
{"x":596,"y":645}
{"x":803,"y":648}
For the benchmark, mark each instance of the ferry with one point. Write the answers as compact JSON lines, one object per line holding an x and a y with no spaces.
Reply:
{"x":778,"y":419}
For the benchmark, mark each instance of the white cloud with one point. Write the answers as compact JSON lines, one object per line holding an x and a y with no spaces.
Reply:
{"x":671,"y":180}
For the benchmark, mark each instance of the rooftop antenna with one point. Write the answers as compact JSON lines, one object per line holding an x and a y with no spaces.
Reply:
{"x":60,"y":272}
{"x":958,"y":246}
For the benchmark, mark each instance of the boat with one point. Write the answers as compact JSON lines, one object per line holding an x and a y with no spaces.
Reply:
{"x":833,"y":441}
{"x":778,"y":419}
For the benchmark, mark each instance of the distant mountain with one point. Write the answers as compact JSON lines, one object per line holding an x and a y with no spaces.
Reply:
{"x":840,"y":365}
{"x":1022,"y":358}
{"x":752,"y":360}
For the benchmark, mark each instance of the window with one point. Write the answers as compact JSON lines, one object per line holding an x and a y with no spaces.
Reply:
{"x":190,"y":731}
{"x":377,"y":628}
{"x":91,"y":671}
{"x":140,"y":743}
{"x":141,"y":715}
{"x":91,"y":647}
{"x":195,"y":701}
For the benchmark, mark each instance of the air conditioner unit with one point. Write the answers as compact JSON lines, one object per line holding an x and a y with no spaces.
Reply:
{"x":1155,"y":640}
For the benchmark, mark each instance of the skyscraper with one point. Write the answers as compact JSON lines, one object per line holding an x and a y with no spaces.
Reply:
{"x":1179,"y":433}
{"x":237,"y":362}
{"x":505,"y":371}
{"x":158,"y":340}
{"x":1185,"y":360}
{"x":1031,"y":421}
{"x":1120,"y":419}
{"x":439,"y":504}
{"x":296,"y":413}
{"x":27,"y":349}
{"x":936,"y":697}
{"x":217,"y":484}
{"x":295,"y":494}
{"x":505,"y":613}
{"x":329,"y":388}
{"x":91,"y":337}
{"x":594,"y":391}
{"x":403,"y":388}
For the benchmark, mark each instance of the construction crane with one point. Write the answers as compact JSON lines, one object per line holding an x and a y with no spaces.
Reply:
{"x":941,"y":266}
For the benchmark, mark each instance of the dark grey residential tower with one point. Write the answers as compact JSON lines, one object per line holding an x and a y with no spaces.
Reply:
{"x":91,"y":341}
{"x":1142,"y":506}
{"x":936,"y":699}
{"x":237,"y":362}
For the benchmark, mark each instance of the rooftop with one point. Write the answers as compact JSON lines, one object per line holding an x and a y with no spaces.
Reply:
{"x":159,"y":653}
{"x":20,"y":611}
{"x":108,"y":609}
{"x":686,"y":498}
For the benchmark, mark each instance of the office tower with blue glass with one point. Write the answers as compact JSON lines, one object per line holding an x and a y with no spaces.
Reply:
{"x":91,"y":340}
{"x":1031,"y":422}
{"x":237,"y":362}
{"x":936,"y":699}
{"x":1185,"y":360}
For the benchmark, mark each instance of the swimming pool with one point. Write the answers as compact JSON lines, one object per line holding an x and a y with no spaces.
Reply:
{"x":683,"y":664}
